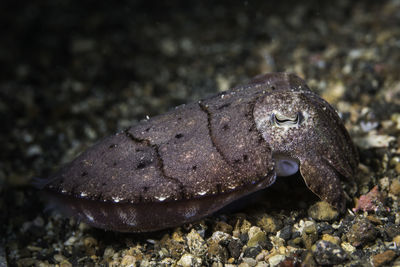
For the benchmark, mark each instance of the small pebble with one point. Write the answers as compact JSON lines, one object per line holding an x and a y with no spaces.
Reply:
{"x":174,"y":247}
{"x":396,"y":240}
{"x":219,"y":236}
{"x":269,"y":224}
{"x":395,"y":187}
{"x":235,"y":248}
{"x":384,"y":183}
{"x":261,"y":264}
{"x":374,"y":219}
{"x":252,"y":252}
{"x":275,"y":260}
{"x":90,"y":244}
{"x":197,"y":245}
{"x":223,"y":227}
{"x":65,"y":264}
{"x":295,"y":242}
{"x":217,"y":264}
{"x":59,"y":258}
{"x":256,"y":237}
{"x":261,"y":256}
{"x":334,"y":92}
{"x":390,"y":231}
{"x":348,"y":247}
{"x":245,"y":227}
{"x":34,"y":248}
{"x":244,"y":238}
{"x":177,"y":236}
{"x":253,"y":231}
{"x":108,"y":253}
{"x":322,"y":211}
{"x":361,"y":232}
{"x":383,"y":258}
{"x":372,"y":201}
{"x":89,"y":241}
{"x":250,"y":261}
{"x":188,"y":260}
{"x":309,"y":260}
{"x":333,"y":239}
{"x":38,"y":221}
{"x":309,"y":235}
{"x":26,"y":262}
{"x":327,"y":253}
{"x":128,"y":260}
{"x":397,"y":167}
{"x":70,"y":241}
{"x":229,"y":261}
{"x":167,"y":262}
{"x":216,"y":251}
{"x":286,"y":232}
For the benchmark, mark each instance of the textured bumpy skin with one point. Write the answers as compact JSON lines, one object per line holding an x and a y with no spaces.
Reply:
{"x":197,"y":158}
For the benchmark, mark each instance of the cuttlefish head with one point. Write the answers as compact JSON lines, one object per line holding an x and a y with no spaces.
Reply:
{"x":305,"y":133}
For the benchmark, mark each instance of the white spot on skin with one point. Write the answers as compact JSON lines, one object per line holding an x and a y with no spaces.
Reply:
{"x":161,"y":198}
{"x":202,"y":193}
{"x":260,"y":185}
{"x":116,"y":199}
{"x":88,"y":215}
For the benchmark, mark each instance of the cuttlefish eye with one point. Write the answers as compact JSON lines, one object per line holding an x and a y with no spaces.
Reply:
{"x":283,"y":120}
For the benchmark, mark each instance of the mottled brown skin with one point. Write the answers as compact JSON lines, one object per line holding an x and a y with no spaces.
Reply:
{"x":197,"y":158}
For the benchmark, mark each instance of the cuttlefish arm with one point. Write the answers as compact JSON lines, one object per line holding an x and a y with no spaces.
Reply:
{"x":324,"y":181}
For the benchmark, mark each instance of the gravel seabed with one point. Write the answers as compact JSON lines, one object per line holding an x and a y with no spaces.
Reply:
{"x":74,"y":72}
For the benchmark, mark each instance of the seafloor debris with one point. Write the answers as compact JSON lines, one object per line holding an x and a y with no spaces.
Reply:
{"x":372,"y":201}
